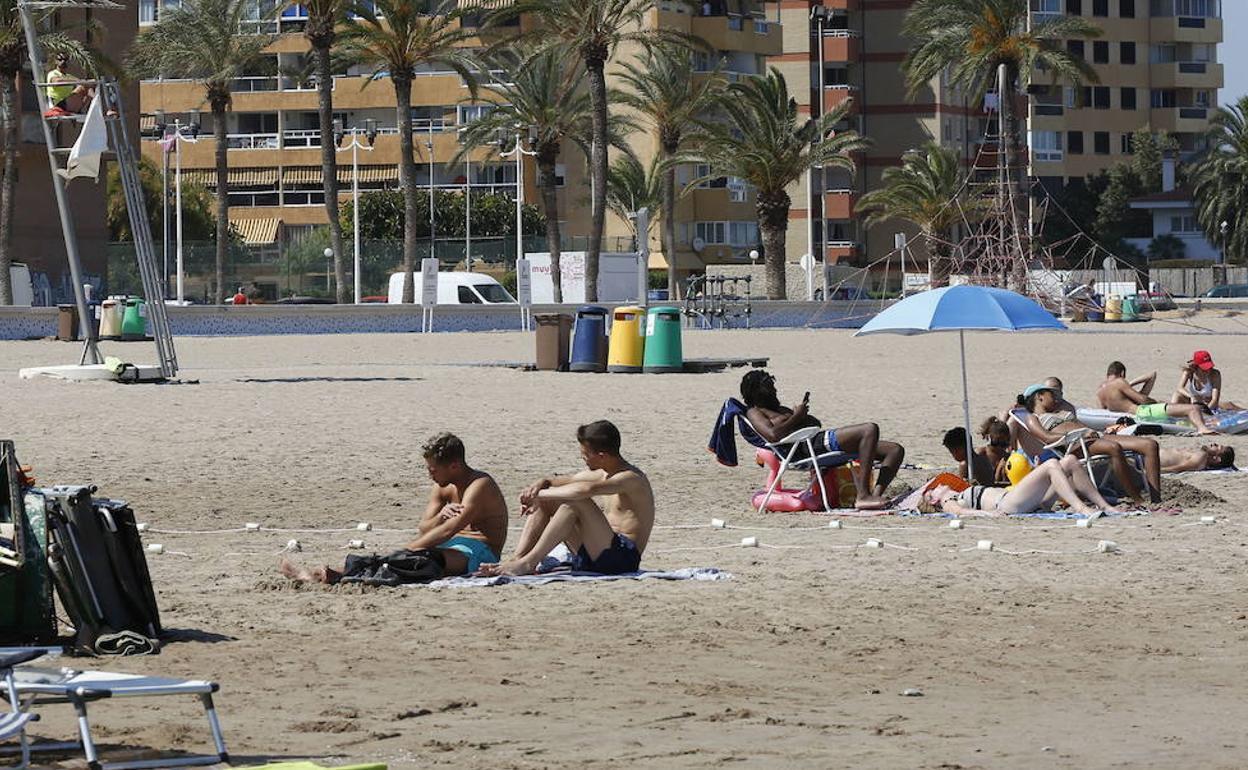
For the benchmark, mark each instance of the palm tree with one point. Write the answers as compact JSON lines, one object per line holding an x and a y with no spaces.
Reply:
{"x":594,"y":30}
{"x":664,"y":88}
{"x":631,"y":187}
{"x":1220,"y":180}
{"x":398,"y":36}
{"x":202,"y":40}
{"x":13,"y":56}
{"x":541,"y":101}
{"x":324,"y":18}
{"x":930,"y":191}
{"x":766,"y":143}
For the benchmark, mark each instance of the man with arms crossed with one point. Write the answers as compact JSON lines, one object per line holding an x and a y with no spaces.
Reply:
{"x":465,"y":522}
{"x":561,"y":509}
{"x":1118,"y":394}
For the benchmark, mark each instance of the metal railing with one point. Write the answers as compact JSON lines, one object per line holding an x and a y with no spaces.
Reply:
{"x":253,"y":141}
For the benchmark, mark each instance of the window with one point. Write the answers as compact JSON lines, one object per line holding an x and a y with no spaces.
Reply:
{"x":742,"y":233}
{"x":1072,"y":97}
{"x":1045,"y":7}
{"x":1074,"y":142}
{"x":737,"y":190}
{"x":1100,"y":97}
{"x":1126,"y":9}
{"x":467,"y":296}
{"x":1184,"y":224}
{"x":1075,"y":47}
{"x":1100,"y":7}
{"x":1202,"y":98}
{"x":147,"y":11}
{"x":1127,"y":98}
{"x":1046,"y":145}
{"x":1163,"y":54}
{"x":1074,"y":7}
{"x":1162,"y":98}
{"x":1100,"y":52}
{"x":1128,"y":144}
{"x":1208,"y":9}
{"x":710,"y":232}
{"x":1100,"y":142}
{"x":1126,"y":53}
{"x":467,"y":113}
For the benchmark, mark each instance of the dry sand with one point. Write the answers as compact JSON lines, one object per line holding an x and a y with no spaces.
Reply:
{"x":1079,"y":660}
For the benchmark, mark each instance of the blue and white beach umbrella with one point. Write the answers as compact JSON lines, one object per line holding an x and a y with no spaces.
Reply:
{"x":962,"y":309}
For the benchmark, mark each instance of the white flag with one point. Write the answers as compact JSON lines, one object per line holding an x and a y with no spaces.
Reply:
{"x":84,"y":157}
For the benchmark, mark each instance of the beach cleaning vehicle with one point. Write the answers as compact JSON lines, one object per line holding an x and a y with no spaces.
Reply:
{"x":456,"y":288}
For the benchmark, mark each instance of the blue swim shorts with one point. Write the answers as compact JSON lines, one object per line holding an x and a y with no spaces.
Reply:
{"x":477,"y":551}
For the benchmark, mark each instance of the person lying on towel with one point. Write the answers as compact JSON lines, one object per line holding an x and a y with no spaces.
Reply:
{"x":1211,"y":457}
{"x":774,"y":421}
{"x":464,"y":526}
{"x":561,"y":509}
{"x":1065,"y":479}
{"x":1118,"y":394}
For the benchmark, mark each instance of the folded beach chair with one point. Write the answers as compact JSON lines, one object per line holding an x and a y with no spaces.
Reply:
{"x":13,"y":724}
{"x":788,"y":449}
{"x":37,"y":687}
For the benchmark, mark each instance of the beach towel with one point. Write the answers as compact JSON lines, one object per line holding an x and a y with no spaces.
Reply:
{"x":544,"y":578}
{"x":723,"y":443}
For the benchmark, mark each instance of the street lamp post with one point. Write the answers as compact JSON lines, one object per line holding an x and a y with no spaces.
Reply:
{"x":329,"y":268}
{"x":178,"y":138}
{"x":1225,"y":229}
{"x":519,"y":151}
{"x":432,"y":220}
{"x":370,"y":131}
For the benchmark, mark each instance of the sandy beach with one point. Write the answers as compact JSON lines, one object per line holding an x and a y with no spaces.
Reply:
{"x":1071,"y":659}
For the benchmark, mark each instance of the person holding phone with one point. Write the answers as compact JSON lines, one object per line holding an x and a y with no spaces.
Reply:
{"x":773,"y":421}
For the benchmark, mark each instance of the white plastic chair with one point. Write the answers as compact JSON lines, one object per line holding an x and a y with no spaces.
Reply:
{"x":13,"y":724}
{"x":813,"y":461}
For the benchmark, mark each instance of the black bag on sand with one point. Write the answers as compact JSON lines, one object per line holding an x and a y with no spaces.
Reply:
{"x":395,"y":569}
{"x":100,"y":571}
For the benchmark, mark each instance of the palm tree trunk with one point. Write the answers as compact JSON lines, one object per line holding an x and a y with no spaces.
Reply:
{"x":773,"y":224}
{"x":329,"y":167}
{"x":594,"y":66}
{"x":938,"y":253}
{"x":407,"y":180}
{"x":669,"y":224}
{"x":8,"y":183}
{"x":219,"y":100}
{"x":550,"y":207}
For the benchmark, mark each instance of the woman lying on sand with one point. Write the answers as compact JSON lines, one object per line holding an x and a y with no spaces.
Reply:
{"x":1065,"y":479}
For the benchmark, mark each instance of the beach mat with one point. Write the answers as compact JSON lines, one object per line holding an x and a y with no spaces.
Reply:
{"x":568,"y":576}
{"x":1033,"y":515}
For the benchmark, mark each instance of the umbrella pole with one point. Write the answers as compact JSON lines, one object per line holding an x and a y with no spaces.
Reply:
{"x":966,"y":410}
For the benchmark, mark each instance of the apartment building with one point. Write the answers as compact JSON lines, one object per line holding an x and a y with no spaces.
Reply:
{"x":1156,"y":61}
{"x":37,"y":239}
{"x":274,"y":140}
{"x":851,"y":50}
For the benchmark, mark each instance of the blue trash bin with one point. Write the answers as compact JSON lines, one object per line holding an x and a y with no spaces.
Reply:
{"x":589,"y":340}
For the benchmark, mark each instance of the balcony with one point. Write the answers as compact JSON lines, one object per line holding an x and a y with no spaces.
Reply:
{"x":840,"y":45}
{"x":1179,"y":119}
{"x":1185,"y":29}
{"x":841,"y":5}
{"x":737,"y":33}
{"x":839,"y":204}
{"x":253,"y":141}
{"x":835,"y":95}
{"x":841,"y":251}
{"x":1186,"y":74}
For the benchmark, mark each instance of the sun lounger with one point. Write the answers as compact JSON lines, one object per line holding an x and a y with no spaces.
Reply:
{"x":1101,"y":419}
{"x":37,"y":687}
{"x":1099,"y":469}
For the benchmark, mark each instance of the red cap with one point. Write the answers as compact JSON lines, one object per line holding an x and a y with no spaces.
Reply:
{"x":1203,"y":360}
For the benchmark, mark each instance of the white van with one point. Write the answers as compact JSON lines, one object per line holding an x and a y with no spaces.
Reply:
{"x":455,"y":288}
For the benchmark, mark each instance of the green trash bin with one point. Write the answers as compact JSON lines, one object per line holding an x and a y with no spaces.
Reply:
{"x":663,"y":353}
{"x":134,"y":322}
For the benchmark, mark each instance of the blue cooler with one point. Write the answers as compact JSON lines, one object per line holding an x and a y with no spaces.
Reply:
{"x":589,"y":340}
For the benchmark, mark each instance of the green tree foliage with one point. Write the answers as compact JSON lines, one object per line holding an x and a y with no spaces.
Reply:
{"x":1166,"y":247}
{"x":764,"y":141}
{"x":198,"y":222}
{"x":630,"y":187}
{"x":1220,"y":181}
{"x":493,"y":215}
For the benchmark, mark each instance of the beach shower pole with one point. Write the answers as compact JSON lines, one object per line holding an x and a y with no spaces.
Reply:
{"x":966,"y":409}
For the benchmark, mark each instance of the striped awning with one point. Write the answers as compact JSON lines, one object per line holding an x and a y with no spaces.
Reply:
{"x":256,"y":232}
{"x":484,"y":5}
{"x":311,"y":175}
{"x":238,"y":177}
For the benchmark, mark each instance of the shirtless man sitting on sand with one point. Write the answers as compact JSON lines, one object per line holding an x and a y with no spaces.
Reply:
{"x":773,"y":422}
{"x":561,"y":509}
{"x":1118,"y":394}
{"x":1211,"y":457}
{"x":465,"y":522}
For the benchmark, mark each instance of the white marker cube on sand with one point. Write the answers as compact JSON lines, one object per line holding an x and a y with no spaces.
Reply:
{"x":955,"y":524}
{"x":364,"y":526}
{"x":874,"y":542}
{"x":834,"y":524}
{"x":1083,"y":523}
{"x":718,"y":523}
{"x":749,"y":542}
{"x":1107,"y":546}
{"x":155,"y":548}
{"x":984,"y":545}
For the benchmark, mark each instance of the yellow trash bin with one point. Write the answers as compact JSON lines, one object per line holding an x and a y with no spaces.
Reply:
{"x":626,"y":352}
